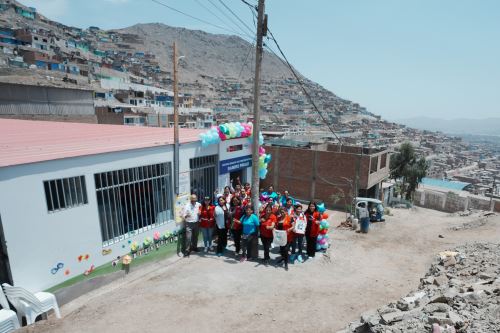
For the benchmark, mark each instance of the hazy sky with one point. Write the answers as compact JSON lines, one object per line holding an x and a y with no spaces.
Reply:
{"x":400,"y":59}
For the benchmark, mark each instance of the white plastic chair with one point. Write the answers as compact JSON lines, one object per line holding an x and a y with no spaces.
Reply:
{"x":31,"y":305}
{"x":8,"y":318}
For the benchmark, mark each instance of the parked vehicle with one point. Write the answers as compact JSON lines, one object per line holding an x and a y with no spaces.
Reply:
{"x":375,"y":208}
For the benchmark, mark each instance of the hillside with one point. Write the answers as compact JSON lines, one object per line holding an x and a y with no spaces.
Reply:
{"x":205,"y":54}
{"x":217,"y":66}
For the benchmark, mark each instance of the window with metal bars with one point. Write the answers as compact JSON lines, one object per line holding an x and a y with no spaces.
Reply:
{"x":203,"y":175}
{"x":65,"y":193}
{"x":133,"y":200}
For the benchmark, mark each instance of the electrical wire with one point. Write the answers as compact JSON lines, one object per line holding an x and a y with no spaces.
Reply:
{"x":250,"y":48}
{"x":231,"y":20}
{"x":237,"y":17}
{"x":299,"y":81}
{"x":199,"y":19}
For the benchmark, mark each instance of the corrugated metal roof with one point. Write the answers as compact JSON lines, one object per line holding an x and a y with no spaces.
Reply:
{"x":446,"y":184}
{"x":34,"y":100}
{"x":26,"y":141}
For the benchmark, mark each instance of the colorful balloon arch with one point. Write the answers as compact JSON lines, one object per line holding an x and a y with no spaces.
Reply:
{"x":236,"y":130}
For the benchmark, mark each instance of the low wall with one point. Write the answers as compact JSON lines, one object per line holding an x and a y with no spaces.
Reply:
{"x":452,"y":201}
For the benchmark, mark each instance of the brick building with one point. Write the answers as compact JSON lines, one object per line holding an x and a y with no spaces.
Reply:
{"x":322,"y":172}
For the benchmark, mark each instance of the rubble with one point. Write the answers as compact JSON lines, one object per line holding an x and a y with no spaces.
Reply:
{"x":459,"y":293}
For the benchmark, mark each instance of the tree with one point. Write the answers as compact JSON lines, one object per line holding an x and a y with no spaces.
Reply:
{"x":408,"y":169}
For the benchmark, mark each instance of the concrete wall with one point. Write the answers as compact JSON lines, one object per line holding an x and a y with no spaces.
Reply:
{"x":38,"y":240}
{"x":452,"y":201}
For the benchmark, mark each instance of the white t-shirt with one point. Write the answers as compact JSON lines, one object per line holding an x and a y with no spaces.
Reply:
{"x":219,"y":217}
{"x":192,"y":212}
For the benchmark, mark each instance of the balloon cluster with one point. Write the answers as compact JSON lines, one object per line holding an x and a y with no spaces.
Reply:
{"x":323,"y":237}
{"x":226,"y":131}
{"x":236,"y":130}
{"x":264,"y":160}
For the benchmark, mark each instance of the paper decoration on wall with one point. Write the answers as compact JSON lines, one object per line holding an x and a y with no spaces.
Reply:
{"x":90,"y":270}
{"x":83,"y":257}
{"x":57,"y":268}
{"x":106,"y":251}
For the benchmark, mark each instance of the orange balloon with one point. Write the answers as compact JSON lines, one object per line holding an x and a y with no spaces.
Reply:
{"x":325,"y":216}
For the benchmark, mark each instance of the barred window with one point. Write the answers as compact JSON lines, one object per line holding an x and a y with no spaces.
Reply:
{"x":203,"y":175}
{"x":133,"y":200}
{"x":65,"y":193}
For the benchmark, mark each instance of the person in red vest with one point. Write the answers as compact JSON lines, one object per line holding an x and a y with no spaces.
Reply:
{"x":207,"y":222}
{"x":313,"y":218}
{"x":237,"y":212}
{"x":267,"y":224}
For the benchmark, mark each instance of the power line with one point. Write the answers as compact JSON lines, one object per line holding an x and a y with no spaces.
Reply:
{"x":197,"y":19}
{"x":231,"y":20}
{"x":299,"y":81}
{"x":209,"y":10}
{"x":237,"y":17}
{"x":250,"y":48}
{"x":302,"y":86}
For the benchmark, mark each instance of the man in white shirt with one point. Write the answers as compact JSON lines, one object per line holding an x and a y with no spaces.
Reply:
{"x":191,"y":215}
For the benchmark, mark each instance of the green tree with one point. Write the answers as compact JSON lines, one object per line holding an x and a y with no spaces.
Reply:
{"x":408,"y":169}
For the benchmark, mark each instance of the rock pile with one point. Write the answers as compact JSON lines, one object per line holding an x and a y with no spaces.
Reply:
{"x":460,"y":293}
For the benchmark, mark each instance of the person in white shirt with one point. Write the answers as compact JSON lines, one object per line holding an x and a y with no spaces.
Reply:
{"x":191,"y":215}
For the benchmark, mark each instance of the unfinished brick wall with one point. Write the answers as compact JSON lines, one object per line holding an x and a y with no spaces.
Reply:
{"x":315,"y":175}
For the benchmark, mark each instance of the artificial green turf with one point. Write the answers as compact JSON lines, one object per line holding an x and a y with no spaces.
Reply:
{"x":163,"y":252}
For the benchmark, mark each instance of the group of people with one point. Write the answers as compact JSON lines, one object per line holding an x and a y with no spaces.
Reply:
{"x":230,"y":214}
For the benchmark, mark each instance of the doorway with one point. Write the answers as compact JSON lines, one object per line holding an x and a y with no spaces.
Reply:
{"x":237,"y":177}
{"x":5,"y":275}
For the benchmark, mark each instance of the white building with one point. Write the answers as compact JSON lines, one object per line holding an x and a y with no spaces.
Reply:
{"x":69,"y":190}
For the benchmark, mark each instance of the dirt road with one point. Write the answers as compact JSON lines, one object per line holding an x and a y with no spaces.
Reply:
{"x":210,"y":294}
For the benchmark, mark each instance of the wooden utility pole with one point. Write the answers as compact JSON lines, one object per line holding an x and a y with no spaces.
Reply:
{"x":256,"y":108}
{"x":176,"y":125}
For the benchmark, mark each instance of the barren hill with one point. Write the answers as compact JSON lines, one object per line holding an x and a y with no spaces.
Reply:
{"x":205,"y":53}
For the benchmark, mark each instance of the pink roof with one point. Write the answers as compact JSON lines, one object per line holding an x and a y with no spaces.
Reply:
{"x":27,"y":141}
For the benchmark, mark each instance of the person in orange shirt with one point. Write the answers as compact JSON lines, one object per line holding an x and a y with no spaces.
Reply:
{"x":267,"y":224}
{"x":285,"y":222}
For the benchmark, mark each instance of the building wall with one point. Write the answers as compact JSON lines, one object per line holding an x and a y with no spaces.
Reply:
{"x":38,"y":240}
{"x":320,"y":175}
{"x":18,"y":100}
{"x":106,"y":116}
{"x":224,"y":179}
{"x":452,"y":201}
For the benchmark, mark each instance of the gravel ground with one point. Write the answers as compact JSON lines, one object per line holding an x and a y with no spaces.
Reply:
{"x":209,"y":294}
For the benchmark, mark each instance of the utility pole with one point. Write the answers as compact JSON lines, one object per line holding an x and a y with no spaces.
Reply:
{"x":176,"y":125}
{"x":493,"y":186}
{"x":261,"y":31}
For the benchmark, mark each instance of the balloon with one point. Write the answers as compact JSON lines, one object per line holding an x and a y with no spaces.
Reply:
{"x":321,"y":207}
{"x":262,"y":151}
{"x":267,"y":159}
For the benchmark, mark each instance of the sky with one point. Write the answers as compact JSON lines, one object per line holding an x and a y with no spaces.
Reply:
{"x":399,"y":58}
